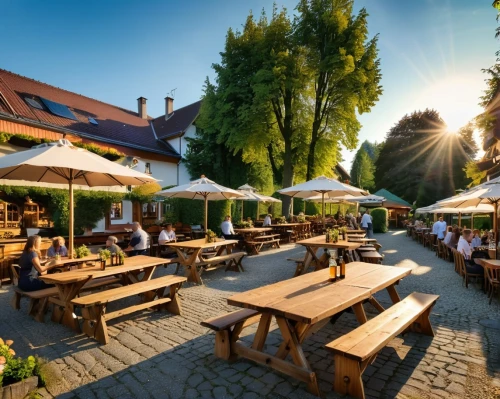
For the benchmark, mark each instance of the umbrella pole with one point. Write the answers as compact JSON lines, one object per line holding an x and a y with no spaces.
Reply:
{"x":257,"y":217}
{"x":495,"y":223}
{"x":71,"y":217}
{"x":472,"y":221}
{"x":242,"y":211}
{"x":323,"y":207}
{"x":206,"y":213}
{"x":459,"y":219}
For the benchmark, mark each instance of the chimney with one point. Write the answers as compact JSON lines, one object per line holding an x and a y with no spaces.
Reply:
{"x":169,"y":107}
{"x":142,"y":108}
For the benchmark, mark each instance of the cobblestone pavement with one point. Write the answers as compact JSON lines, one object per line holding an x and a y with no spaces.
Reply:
{"x":157,"y":355}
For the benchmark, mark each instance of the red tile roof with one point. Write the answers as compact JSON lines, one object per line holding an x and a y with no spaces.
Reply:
{"x":177,"y":123}
{"x":115,"y":124}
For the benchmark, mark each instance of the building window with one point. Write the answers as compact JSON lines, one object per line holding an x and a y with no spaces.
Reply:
{"x":148,"y":168}
{"x":116,"y":211}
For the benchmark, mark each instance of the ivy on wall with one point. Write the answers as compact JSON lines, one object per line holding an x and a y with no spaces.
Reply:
{"x":90,"y":206}
{"x":24,"y":140}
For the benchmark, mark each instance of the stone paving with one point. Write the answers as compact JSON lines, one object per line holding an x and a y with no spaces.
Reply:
{"x":157,"y":355}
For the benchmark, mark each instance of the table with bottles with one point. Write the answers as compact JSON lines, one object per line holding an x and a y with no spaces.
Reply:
{"x":317,"y":246}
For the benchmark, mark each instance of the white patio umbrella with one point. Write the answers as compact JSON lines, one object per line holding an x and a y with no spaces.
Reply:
{"x":62,"y":163}
{"x":325,"y":186}
{"x":202,"y":189}
{"x":252,"y":195}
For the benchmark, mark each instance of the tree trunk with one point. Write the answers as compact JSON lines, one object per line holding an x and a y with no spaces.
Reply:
{"x":287,"y":177}
{"x":310,"y":174}
{"x":310,"y":161}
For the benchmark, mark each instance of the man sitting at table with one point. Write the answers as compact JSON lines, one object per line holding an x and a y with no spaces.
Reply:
{"x":111,"y":245}
{"x":228,"y":230}
{"x":465,"y":249}
{"x":57,"y":248}
{"x":476,"y":240}
{"x":267,"y":221}
{"x":167,"y":235}
{"x":139,"y":241}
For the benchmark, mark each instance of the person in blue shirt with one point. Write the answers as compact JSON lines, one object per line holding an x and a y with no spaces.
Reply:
{"x":57,"y":248}
{"x":31,"y":267}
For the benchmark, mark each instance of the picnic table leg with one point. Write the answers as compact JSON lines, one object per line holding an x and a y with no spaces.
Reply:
{"x":190,"y":264}
{"x":262,"y":331}
{"x":148,"y":273}
{"x":289,"y":335}
{"x":94,"y":323}
{"x":391,"y":289}
{"x":359,"y":312}
{"x":174,"y":306}
{"x":63,"y":310}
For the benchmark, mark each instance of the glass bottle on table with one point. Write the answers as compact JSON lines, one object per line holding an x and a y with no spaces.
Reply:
{"x":332,"y":267}
{"x":342,"y":267}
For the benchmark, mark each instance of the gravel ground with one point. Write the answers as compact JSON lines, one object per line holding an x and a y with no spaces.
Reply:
{"x":163,"y":356}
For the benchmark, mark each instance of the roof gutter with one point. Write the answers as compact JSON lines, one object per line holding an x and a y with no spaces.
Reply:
{"x":80,"y":134}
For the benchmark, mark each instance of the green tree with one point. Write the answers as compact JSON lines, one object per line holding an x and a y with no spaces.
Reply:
{"x":345,"y":69}
{"x":362,"y":170}
{"x":420,"y":161}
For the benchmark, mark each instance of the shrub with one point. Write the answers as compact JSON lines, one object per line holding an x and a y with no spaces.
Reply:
{"x":380,"y":220}
{"x":14,"y":369}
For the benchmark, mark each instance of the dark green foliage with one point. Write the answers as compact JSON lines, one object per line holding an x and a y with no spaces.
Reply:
{"x":482,"y":222}
{"x":362,"y":170}
{"x":380,"y":220}
{"x":420,"y":161}
{"x":90,"y":206}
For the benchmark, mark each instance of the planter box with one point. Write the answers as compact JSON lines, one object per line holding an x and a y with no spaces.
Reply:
{"x":20,"y":389}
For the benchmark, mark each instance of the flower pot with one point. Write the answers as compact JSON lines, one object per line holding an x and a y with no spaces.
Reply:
{"x":19,"y":389}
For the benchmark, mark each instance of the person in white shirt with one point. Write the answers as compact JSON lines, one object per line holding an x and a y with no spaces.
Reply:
{"x":464,"y":248}
{"x":267,"y":221}
{"x":227,"y":229}
{"x":439,"y":228}
{"x":366,"y":223}
{"x":139,"y":241}
{"x":167,"y":235}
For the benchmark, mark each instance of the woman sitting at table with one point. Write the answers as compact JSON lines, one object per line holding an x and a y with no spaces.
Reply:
{"x":31,"y":267}
{"x":448,"y":235}
{"x":476,"y":240}
{"x":111,"y":245}
{"x":57,"y":248}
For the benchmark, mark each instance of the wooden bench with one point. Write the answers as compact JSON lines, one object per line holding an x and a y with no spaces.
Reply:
{"x":258,"y":242}
{"x":39,"y":299}
{"x":234,"y":263}
{"x":228,"y":328}
{"x":94,"y":305}
{"x":354,"y":351}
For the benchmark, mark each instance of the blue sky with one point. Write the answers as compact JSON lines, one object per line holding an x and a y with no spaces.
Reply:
{"x":431,"y":52}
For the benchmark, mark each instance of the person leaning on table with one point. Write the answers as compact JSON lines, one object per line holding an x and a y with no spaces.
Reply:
{"x":31,"y":267}
{"x":111,"y":245}
{"x":138,"y":240}
{"x":57,"y":248}
{"x":228,"y":230}
{"x":465,"y":249}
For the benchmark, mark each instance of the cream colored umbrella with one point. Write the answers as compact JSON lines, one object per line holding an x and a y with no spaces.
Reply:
{"x":324,"y":186}
{"x":62,"y":163}
{"x":202,"y":189}
{"x":252,"y":195}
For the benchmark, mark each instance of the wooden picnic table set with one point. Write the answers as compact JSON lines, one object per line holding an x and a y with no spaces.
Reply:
{"x":132,"y":278}
{"x":256,"y":237}
{"x":303,"y":305}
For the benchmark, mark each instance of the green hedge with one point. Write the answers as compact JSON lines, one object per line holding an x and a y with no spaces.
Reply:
{"x":380,"y":220}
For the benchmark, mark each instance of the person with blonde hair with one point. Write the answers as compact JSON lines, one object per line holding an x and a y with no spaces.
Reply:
{"x":57,"y":247}
{"x":31,"y":267}
{"x":111,"y":245}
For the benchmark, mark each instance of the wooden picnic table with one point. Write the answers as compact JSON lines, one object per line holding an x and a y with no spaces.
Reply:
{"x":302,"y":306}
{"x":312,"y":246}
{"x":190,"y":253}
{"x":358,"y":231}
{"x":361,"y":239}
{"x":252,"y":231}
{"x":70,"y":283}
{"x":65,"y":262}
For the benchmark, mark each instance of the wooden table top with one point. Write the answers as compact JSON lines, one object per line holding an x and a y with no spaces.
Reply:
{"x":491,"y":262}
{"x":320,"y":241}
{"x":288,"y":224}
{"x":311,"y":297}
{"x":63,"y":261}
{"x":131,"y":264}
{"x":253,"y":229}
{"x":201,"y":243}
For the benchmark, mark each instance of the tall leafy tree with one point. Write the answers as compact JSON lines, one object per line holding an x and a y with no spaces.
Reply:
{"x":345,"y":68}
{"x":362,"y":170}
{"x":420,"y":160}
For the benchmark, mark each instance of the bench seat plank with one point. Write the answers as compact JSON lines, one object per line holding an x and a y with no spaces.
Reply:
{"x":372,"y":336}
{"x":126,"y":291}
{"x":228,"y":320}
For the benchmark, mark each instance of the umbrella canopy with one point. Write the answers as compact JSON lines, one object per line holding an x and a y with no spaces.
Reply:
{"x":325,"y":186}
{"x":250,"y":194}
{"x":202,"y":189}
{"x":60,"y":162}
{"x":481,"y":208}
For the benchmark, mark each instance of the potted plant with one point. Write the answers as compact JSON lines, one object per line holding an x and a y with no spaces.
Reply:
{"x":104,"y":255}
{"x":282,"y":220}
{"x":211,"y":236}
{"x":121,"y":257}
{"x":301,"y":218}
{"x":343,"y":230}
{"x":334,"y":235}
{"x":18,"y":376}
{"x":82,"y":251}
{"x":245,"y":224}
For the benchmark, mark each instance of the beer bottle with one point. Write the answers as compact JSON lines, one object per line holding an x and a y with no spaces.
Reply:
{"x":332,"y":267}
{"x":342,"y":267}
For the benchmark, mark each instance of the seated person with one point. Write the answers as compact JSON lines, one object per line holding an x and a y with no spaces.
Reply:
{"x":31,"y":267}
{"x":167,"y":235}
{"x":448,"y":235}
{"x":485,"y":238}
{"x":57,"y":248}
{"x":464,"y":248}
{"x":476,"y":240}
{"x":111,"y":245}
{"x":139,"y":241}
{"x":228,"y":230}
{"x":267,"y":221}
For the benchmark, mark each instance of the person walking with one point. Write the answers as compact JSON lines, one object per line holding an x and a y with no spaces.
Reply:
{"x":367,"y":224}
